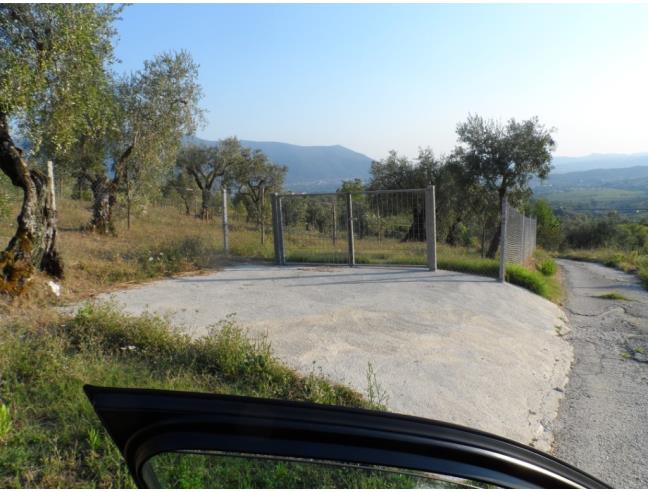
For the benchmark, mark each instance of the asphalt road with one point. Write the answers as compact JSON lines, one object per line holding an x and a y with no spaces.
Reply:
{"x":602,"y":424}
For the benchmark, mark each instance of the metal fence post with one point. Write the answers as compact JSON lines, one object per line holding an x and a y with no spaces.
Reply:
{"x":280,"y":232}
{"x":349,"y":201}
{"x":502,"y":265}
{"x":275,"y":231}
{"x":225,"y":223}
{"x":430,"y":227}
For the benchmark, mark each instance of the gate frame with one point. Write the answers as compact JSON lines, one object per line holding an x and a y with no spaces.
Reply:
{"x":430,"y":227}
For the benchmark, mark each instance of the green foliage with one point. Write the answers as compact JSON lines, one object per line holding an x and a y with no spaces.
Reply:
{"x":549,"y":232}
{"x":49,"y":53}
{"x":54,"y":438}
{"x":547,"y":267}
{"x":5,"y":422}
{"x":505,"y":157}
{"x":256,"y":178}
{"x":157,"y":106}
{"x":590,"y":232}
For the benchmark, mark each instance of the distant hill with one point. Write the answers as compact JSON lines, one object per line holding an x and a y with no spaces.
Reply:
{"x":598,"y":161}
{"x":310,"y":168}
{"x":597,"y":190}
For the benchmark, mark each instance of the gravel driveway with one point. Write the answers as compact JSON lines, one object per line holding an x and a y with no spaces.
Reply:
{"x":603,"y":419}
{"x":443,"y":345}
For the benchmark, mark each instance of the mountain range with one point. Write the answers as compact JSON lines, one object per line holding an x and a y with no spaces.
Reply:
{"x":598,"y":161}
{"x":310,"y":168}
{"x":619,"y":180}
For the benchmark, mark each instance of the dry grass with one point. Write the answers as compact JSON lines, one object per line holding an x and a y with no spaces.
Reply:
{"x":159,"y":243}
{"x":163,"y":241}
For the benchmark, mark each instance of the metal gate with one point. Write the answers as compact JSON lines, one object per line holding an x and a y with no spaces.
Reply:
{"x":386,"y":227}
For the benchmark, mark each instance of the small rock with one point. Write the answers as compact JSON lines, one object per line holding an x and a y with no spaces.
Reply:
{"x":56,"y":288}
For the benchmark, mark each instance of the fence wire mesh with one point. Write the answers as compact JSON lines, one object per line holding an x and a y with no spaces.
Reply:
{"x":520,"y":236}
{"x":315,"y":228}
{"x":388,"y":227}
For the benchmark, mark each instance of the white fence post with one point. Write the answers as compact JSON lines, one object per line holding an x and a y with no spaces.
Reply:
{"x":349,"y":201}
{"x":275,"y":228}
{"x":430,"y":227}
{"x":225,"y":223}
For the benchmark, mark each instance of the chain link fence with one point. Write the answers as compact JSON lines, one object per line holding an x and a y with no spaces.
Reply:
{"x":520,"y":236}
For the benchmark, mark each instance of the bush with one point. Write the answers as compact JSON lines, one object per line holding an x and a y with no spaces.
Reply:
{"x":547,"y":267}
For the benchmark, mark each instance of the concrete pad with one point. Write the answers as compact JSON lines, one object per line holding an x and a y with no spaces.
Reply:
{"x":444,"y":345}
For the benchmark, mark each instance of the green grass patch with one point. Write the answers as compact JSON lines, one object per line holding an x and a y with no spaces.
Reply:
{"x":530,"y":280}
{"x":613,"y":296}
{"x":49,"y":434}
{"x":449,"y":259}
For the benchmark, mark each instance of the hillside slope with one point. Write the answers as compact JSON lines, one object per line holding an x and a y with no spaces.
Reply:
{"x":310,"y":168}
{"x":598,"y":161}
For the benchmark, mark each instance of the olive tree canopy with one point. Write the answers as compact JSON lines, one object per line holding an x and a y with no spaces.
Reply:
{"x":504,"y":158}
{"x":48,"y":52}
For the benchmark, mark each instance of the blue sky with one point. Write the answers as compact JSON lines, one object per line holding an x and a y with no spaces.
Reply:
{"x":381,"y":77}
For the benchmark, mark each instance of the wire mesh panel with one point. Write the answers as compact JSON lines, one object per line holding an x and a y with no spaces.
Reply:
{"x":520,"y":236}
{"x":315,"y":228}
{"x":389,"y":227}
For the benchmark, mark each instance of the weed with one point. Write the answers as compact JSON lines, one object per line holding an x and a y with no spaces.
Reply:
{"x":5,"y":422}
{"x":376,"y":393}
{"x":613,"y":296}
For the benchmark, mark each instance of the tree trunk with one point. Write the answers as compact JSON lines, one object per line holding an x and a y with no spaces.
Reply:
{"x":185,"y":200}
{"x":33,"y":246}
{"x":206,"y":195}
{"x":495,"y":240}
{"x":416,"y":231}
{"x":453,"y":233}
{"x":128,"y":204}
{"x":79,"y":186}
{"x":103,"y":199}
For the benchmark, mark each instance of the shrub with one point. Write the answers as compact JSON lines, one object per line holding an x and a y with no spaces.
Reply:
{"x":547,"y":267}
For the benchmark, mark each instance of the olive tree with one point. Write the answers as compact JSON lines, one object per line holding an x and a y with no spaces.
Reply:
{"x":256,"y":176}
{"x":504,"y":158}
{"x":48,"y":52}
{"x":206,"y":164}
{"x":154,"y":108}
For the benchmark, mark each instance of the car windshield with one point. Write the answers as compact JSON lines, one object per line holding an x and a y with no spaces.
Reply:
{"x":433,"y":210}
